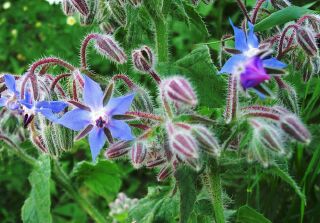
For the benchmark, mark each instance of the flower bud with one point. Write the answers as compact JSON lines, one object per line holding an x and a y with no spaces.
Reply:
{"x":106,"y":28}
{"x":143,"y":59}
{"x":182,"y":142}
{"x":89,"y":19}
{"x":159,"y":161}
{"x":135,"y":3}
{"x":118,"y":12}
{"x":179,"y":90}
{"x":280,"y":4}
{"x":81,"y":6}
{"x":118,"y":149}
{"x":288,"y":96}
{"x":67,"y":8}
{"x":108,"y":47}
{"x":138,"y":153}
{"x":291,"y":125}
{"x":307,"y":41}
{"x":206,"y":140}
{"x":164,"y":173}
{"x":142,"y":101}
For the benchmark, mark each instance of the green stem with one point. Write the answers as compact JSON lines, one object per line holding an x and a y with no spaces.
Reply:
{"x":161,"y":38}
{"x":213,"y":183}
{"x":65,"y":182}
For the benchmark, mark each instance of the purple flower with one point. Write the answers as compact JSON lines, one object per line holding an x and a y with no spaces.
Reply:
{"x":247,"y":60}
{"x":96,"y":119}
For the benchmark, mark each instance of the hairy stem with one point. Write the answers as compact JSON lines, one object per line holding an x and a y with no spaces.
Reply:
{"x":213,"y":183}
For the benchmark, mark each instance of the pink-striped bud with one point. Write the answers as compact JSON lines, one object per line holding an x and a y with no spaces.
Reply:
{"x":107,"y":46}
{"x":179,"y":90}
{"x":182,"y":142}
{"x":280,"y":4}
{"x":118,"y":149}
{"x":106,"y":28}
{"x":291,"y":125}
{"x":164,"y":173}
{"x":206,"y":140}
{"x":67,"y":8}
{"x":307,"y":41}
{"x":152,"y":163}
{"x":138,"y":153}
{"x":135,"y":3}
{"x":118,"y":12}
{"x":81,"y":6}
{"x":143,"y":59}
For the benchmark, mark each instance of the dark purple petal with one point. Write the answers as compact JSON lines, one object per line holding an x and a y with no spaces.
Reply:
{"x":92,"y":93}
{"x":253,"y":73}
{"x":97,"y":139}
{"x":75,"y":119}
{"x":119,"y":105}
{"x":120,"y":130}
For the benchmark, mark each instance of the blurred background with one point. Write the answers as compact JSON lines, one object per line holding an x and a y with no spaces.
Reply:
{"x":33,"y":29}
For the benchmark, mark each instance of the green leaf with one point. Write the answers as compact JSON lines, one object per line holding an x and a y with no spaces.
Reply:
{"x":36,"y":209}
{"x":198,"y":67}
{"x":196,"y":19}
{"x":103,"y":178}
{"x":247,"y":214}
{"x":156,"y":207}
{"x":284,"y":175}
{"x":186,"y":178}
{"x":281,"y":17}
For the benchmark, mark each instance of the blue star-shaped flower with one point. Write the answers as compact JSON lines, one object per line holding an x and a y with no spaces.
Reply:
{"x":12,"y":95}
{"x":248,"y":46}
{"x":96,"y":118}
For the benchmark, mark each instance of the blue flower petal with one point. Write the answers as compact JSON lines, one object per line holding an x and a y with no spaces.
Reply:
{"x":97,"y":139}
{"x":27,"y":96}
{"x":120,"y":130}
{"x":252,"y":39}
{"x":92,"y":93}
{"x":11,"y":83}
{"x":231,"y":64}
{"x":3,"y":101}
{"x":119,"y":105}
{"x":75,"y":119}
{"x":26,"y":104}
{"x":55,"y":106}
{"x":47,"y":112}
{"x":260,"y":94}
{"x":274,"y":63}
{"x":240,"y":38}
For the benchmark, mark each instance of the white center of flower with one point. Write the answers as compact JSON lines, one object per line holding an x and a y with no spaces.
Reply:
{"x":99,"y":118}
{"x":251,"y":52}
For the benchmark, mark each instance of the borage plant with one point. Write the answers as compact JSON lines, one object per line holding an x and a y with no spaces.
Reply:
{"x":176,"y":126}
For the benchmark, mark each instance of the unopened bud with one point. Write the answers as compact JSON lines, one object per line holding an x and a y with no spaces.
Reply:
{"x":142,"y":101}
{"x":164,"y":173}
{"x":93,"y":8}
{"x":118,"y":12}
{"x":182,"y":142}
{"x":106,"y":28}
{"x":67,"y":8}
{"x":155,"y":162}
{"x":291,"y":125}
{"x":307,"y":41}
{"x":118,"y":149}
{"x":206,"y":140}
{"x":179,"y":90}
{"x":135,"y":3}
{"x":108,"y":47}
{"x":280,"y":4}
{"x":138,"y":153}
{"x":143,"y":59}
{"x":81,"y":6}
{"x":288,"y":96}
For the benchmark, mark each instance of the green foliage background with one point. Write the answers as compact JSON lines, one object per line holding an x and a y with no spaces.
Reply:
{"x":33,"y":29}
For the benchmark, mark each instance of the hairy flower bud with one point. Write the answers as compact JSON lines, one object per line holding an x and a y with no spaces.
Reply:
{"x":291,"y":125}
{"x":93,"y":8}
{"x":106,"y":28}
{"x":164,"y":173}
{"x":143,"y":59}
{"x":135,"y":3}
{"x":307,"y":41}
{"x":138,"y":153}
{"x":206,"y":140}
{"x":67,"y":8}
{"x":179,"y":90}
{"x":81,"y":6}
{"x":107,"y":46}
{"x":142,"y":101}
{"x":182,"y":142}
{"x":118,"y":149}
{"x":118,"y":12}
{"x":280,"y":4}
{"x":288,"y":96}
